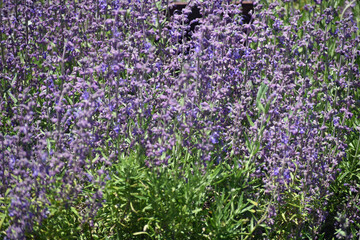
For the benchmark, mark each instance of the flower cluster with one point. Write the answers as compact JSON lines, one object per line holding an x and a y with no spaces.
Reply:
{"x":86,"y":81}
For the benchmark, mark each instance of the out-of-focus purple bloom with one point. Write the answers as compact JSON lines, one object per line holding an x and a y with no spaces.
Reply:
{"x":277,"y":25}
{"x":89,"y":177}
{"x":117,"y":129}
{"x":214,"y":138}
{"x":335,"y":32}
{"x":111,"y":107}
{"x":210,"y":53}
{"x":115,"y":68}
{"x":284,"y":139}
{"x":35,"y":172}
{"x":314,"y":156}
{"x":301,"y":130}
{"x":12,"y":162}
{"x":236,"y":54}
{"x":107,"y":178}
{"x":147,"y":45}
{"x":276,"y":171}
{"x":158,"y":65}
{"x":197,"y":48}
{"x":70,"y":46}
{"x":44,"y":157}
{"x":116,"y":4}
{"x":86,"y":95}
{"x":102,"y":4}
{"x":287,"y":174}
{"x":104,"y":67}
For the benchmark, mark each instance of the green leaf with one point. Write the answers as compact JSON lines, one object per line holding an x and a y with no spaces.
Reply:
{"x":138,"y":196}
{"x":267,"y":107}
{"x":12,"y":97}
{"x":75,"y":212}
{"x":332,"y":49}
{"x":250,"y":121}
{"x":22,"y":59}
{"x":197,"y":210}
{"x":149,"y":207}
{"x":248,"y":145}
{"x":14,"y":79}
{"x":140,"y":233}
{"x":246,"y":209}
{"x":341,"y":232}
{"x":257,"y":147}
{"x":261,"y":92}
{"x":294,"y":205}
{"x":253,"y":202}
{"x":260,"y":106}
{"x":259,"y":96}
{"x":69,"y":100}
{"x":2,"y":216}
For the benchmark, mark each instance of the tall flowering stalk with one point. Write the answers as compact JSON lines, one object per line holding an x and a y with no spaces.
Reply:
{"x":85,"y":82}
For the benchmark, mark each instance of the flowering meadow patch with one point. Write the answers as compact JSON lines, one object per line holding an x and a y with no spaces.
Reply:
{"x":120,"y":121}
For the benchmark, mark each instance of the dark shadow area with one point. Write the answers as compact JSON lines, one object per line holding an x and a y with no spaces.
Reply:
{"x":177,"y":8}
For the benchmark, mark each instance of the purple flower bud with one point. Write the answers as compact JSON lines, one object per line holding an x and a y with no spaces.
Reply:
{"x":117,"y":129}
{"x":104,"y":67}
{"x":158,"y":65}
{"x":277,"y":25}
{"x":214,"y":138}
{"x":276,"y":171}
{"x":35,"y":172}
{"x":102,"y":4}
{"x":89,"y":177}
{"x":284,"y":139}
{"x":197,"y":48}
{"x":302,"y":131}
{"x":287,"y":174}
{"x":86,"y":95}
{"x":70,"y":47}
{"x":111,"y":107}
{"x":147,"y":45}
{"x":115,"y":68}
{"x":12,"y":162}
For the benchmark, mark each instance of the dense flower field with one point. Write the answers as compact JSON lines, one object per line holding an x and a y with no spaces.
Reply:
{"x":114,"y":125}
